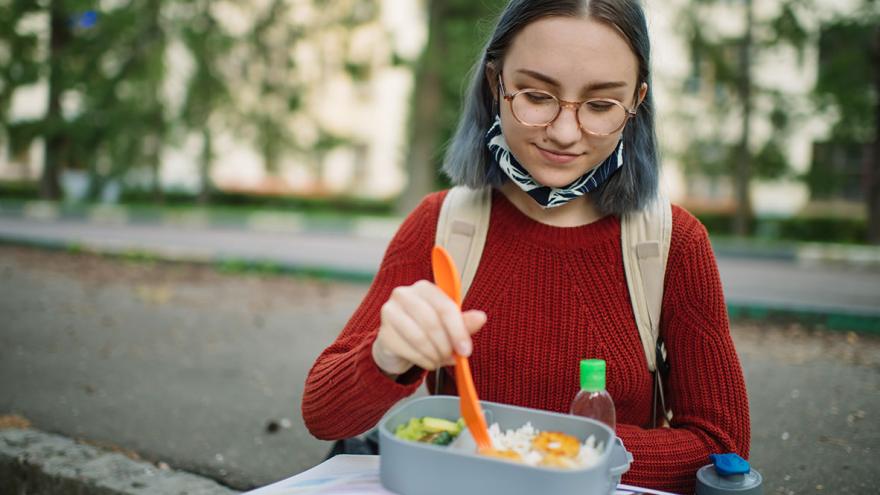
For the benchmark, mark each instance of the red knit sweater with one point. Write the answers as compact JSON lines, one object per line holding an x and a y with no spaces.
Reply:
{"x":553,"y":296}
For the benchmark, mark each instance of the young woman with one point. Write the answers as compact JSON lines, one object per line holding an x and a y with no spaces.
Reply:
{"x":559,"y":121}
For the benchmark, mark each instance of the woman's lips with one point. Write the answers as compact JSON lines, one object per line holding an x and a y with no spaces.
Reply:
{"x":556,"y":157}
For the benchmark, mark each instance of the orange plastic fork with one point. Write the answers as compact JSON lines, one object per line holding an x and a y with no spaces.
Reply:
{"x":446,"y":277}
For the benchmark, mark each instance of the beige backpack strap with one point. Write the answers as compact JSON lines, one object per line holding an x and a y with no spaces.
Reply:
{"x":462,"y":228}
{"x":644,"y":237}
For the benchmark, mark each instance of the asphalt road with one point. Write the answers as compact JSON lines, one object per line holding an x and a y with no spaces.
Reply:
{"x":774,"y":283}
{"x":186,"y":365}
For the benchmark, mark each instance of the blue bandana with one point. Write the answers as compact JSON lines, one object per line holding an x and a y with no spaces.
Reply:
{"x":549,"y":197}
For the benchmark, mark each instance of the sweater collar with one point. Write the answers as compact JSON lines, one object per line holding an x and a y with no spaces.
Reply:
{"x":510,"y":219}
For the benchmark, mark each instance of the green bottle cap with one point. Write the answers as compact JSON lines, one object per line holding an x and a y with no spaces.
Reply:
{"x":593,"y":375}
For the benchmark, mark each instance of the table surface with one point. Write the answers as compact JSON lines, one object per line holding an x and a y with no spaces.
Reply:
{"x":359,"y":475}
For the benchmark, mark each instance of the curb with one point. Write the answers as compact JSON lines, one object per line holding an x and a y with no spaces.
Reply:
{"x":36,"y":463}
{"x":266,"y":221}
{"x":221,"y":263}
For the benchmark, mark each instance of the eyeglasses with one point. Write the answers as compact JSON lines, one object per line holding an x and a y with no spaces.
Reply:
{"x":596,"y":116}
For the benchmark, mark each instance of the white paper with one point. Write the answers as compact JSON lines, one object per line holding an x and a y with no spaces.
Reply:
{"x":359,"y":475}
{"x":340,"y":475}
{"x":635,"y":490}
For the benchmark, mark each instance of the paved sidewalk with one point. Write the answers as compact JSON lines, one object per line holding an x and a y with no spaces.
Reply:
{"x":191,"y":367}
{"x":844,"y":295}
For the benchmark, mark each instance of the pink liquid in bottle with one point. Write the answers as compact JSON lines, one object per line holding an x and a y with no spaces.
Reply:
{"x":593,"y":401}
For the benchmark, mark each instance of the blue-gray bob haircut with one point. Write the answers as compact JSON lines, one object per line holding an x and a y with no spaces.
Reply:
{"x":467,"y":160}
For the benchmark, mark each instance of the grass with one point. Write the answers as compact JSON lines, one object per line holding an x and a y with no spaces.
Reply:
{"x":839,"y":321}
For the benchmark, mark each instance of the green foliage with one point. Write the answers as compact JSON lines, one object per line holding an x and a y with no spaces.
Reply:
{"x":112,"y":70}
{"x":20,"y":190}
{"x":836,"y":169}
{"x":458,"y":33}
{"x":846,"y":90}
{"x":842,"y":88}
{"x":798,"y":228}
{"x":208,"y":44}
{"x":726,"y":62}
{"x":18,"y":53}
{"x":771,"y":161}
{"x":710,"y":157}
{"x":238,"y":201}
{"x":715,"y":158}
{"x":819,"y":229}
{"x":786,"y":27}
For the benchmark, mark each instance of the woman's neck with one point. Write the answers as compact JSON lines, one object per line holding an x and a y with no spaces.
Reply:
{"x":577,"y":212}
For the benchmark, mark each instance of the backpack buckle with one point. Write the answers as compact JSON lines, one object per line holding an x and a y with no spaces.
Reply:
{"x":660,"y":357}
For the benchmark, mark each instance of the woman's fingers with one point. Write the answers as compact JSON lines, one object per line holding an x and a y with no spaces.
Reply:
{"x":422,"y":326}
{"x":428,"y":319}
{"x":450,"y":314}
{"x":402,"y":327}
{"x":474,"y":320}
{"x":401,"y":348}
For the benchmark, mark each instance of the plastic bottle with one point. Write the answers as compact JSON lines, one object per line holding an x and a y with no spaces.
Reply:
{"x":593,"y":401}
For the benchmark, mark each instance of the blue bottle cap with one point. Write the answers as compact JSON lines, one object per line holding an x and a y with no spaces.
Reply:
{"x":729,"y":464}
{"x":729,"y":474}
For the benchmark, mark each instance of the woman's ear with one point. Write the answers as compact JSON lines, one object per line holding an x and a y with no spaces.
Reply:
{"x":643,"y":91}
{"x":492,"y":79}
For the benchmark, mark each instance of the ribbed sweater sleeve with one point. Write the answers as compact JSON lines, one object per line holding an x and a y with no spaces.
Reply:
{"x":705,"y":387}
{"x":345,"y":392}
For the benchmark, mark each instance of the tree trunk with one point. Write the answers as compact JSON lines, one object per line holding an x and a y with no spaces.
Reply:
{"x":743,"y":174}
{"x":59,"y":34}
{"x":873,"y":192}
{"x":96,"y":184}
{"x":424,"y":156}
{"x":207,"y":157}
{"x":156,"y":142}
{"x":154,"y":159}
{"x":155,"y":177}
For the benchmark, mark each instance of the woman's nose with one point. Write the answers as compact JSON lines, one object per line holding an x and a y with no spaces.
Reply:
{"x":566,"y":129}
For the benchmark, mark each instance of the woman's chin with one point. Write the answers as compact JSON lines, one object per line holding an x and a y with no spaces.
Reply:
{"x":557,"y":180}
{"x":558,"y":176}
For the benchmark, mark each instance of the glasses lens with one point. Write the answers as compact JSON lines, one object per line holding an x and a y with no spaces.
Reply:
{"x":601,"y":117}
{"x":535,"y":107}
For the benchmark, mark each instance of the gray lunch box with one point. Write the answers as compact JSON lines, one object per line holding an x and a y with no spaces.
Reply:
{"x":412,"y":468}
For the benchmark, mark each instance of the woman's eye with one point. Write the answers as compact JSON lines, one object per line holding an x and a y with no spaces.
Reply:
{"x":538,"y":97}
{"x":599,"y":106}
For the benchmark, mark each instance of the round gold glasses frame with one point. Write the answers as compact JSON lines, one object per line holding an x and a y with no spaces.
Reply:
{"x":575,"y":105}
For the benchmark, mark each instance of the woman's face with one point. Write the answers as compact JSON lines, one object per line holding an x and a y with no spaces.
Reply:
{"x":574,"y":59}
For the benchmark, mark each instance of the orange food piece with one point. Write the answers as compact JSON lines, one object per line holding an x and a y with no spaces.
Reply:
{"x":557,"y":444}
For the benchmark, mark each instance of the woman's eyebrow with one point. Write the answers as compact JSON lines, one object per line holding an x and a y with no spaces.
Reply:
{"x":589,"y":87}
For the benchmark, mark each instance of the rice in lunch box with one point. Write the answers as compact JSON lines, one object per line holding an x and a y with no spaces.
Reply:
{"x":522,"y":441}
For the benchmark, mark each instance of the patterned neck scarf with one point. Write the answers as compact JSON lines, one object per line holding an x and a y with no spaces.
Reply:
{"x":549,"y":197}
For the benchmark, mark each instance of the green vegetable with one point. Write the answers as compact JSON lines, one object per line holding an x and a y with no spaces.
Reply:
{"x":411,"y":431}
{"x":438,"y":424}
{"x":436,"y":431}
{"x":443,"y":438}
